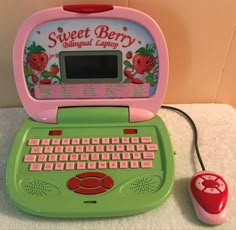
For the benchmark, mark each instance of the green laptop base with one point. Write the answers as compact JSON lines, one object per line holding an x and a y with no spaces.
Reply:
{"x":69,"y":192}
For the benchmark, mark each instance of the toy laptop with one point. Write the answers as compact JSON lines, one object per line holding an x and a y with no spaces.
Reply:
{"x":91,"y":78}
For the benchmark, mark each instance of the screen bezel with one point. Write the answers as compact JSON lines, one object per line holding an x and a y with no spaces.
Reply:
{"x":64,"y":54}
{"x":45,"y":111}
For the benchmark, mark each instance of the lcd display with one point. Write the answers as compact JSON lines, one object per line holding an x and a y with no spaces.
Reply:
{"x":99,"y":66}
{"x":91,"y":66}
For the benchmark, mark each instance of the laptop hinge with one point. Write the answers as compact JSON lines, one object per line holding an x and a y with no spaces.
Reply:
{"x":93,"y":115}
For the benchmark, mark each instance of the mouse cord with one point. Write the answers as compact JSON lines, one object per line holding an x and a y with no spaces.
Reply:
{"x":194,"y":131}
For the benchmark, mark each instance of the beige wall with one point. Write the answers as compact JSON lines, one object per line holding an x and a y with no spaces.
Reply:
{"x":200,"y":35}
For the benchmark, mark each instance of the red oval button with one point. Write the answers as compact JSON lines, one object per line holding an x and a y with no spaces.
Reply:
{"x":107,"y":182}
{"x":90,"y":182}
{"x":91,"y":174}
{"x":91,"y":191}
{"x":73,"y":183}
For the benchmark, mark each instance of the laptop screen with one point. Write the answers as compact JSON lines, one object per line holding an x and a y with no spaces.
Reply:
{"x":95,"y":59}
{"x":113,"y":58}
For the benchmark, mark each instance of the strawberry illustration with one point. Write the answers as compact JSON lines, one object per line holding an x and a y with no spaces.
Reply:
{"x":36,"y":57}
{"x":34,"y":78}
{"x":45,"y":81}
{"x":129,"y":55}
{"x":144,"y":60}
{"x":137,"y":81}
{"x":128,"y":74}
{"x":54,"y":69}
{"x":60,"y":29}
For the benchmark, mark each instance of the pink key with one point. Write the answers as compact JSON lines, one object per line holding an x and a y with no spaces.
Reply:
{"x":115,"y":156}
{"x":30,"y":158}
{"x":146,"y":139}
{"x":105,"y":156}
{"x":65,"y":141}
{"x":52,"y":158}
{"x":63,"y":157}
{"x":89,"y":148}
{"x":59,"y":149}
{"x":115,"y":140}
{"x":84,"y":157}
{"x":130,"y":147}
{"x":92,"y":165}
{"x":140,"y":147}
{"x":79,"y":149}
{"x":148,"y":155}
{"x":81,"y":165}
{"x":48,"y":167}
{"x":48,"y":149}
{"x":32,"y":142}
{"x":45,"y":142}
{"x":59,"y":166}
{"x":146,"y":164}
{"x":134,"y":164}
{"x":70,"y":166}
{"x":125,"y":156}
{"x":36,"y":150}
{"x":42,"y":158}
{"x":94,"y":156}
{"x":152,"y":147}
{"x":74,"y":157}
{"x":102,"y":165}
{"x":85,"y":141}
{"x":75,"y":141}
{"x":95,"y":141}
{"x":125,"y":140}
{"x":113,"y":165}
{"x":105,"y":140}
{"x":69,"y":149}
{"x":110,"y":148}
{"x":56,"y":141}
{"x":99,"y":148}
{"x":120,"y":148}
{"x":136,"y":156}
{"x":35,"y":167}
{"x":134,"y":140}
{"x":124,"y":164}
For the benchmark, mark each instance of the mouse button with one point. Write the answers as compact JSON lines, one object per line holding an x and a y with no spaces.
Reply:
{"x":199,"y":183}
{"x":212,"y":190}
{"x":212,"y":202}
{"x":210,"y":184}
{"x":221,"y":186}
{"x":209,"y":177}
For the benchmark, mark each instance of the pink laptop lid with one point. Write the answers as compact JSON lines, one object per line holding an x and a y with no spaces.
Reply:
{"x":90,"y":55}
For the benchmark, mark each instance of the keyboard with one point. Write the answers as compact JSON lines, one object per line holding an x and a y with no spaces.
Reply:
{"x":81,"y":170}
{"x":90,"y":153}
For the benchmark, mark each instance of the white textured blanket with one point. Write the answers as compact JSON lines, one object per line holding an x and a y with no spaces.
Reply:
{"x":217,"y":141}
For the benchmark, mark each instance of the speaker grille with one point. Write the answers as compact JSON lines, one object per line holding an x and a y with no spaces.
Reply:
{"x":143,"y":185}
{"x":38,"y":188}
